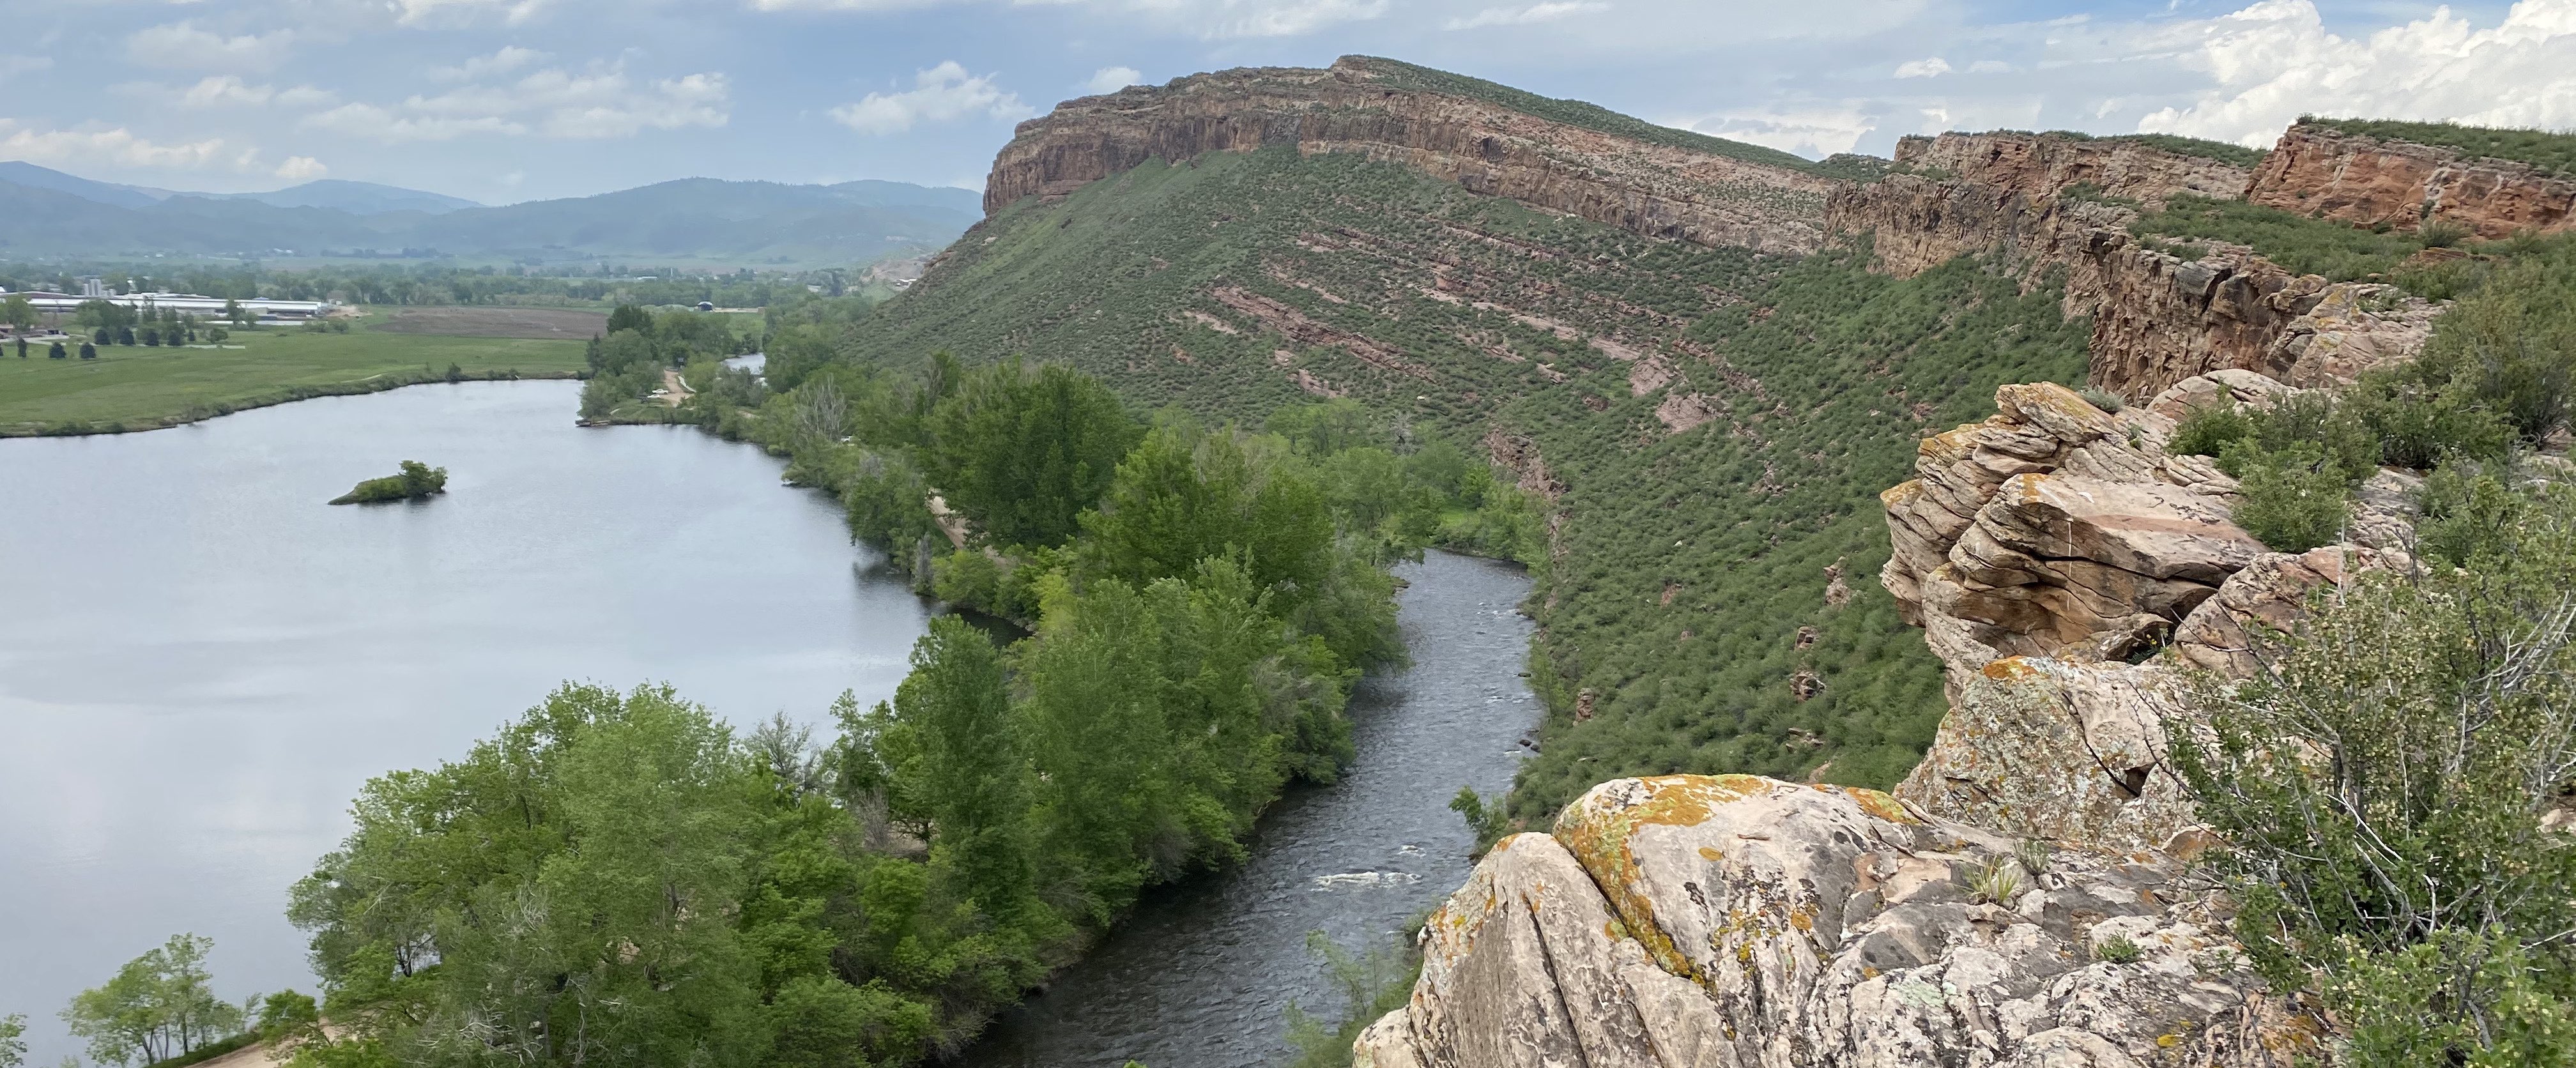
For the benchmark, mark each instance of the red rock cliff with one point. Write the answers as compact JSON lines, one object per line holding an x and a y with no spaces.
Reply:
{"x":2039,"y":166}
{"x":2157,"y":318}
{"x":1658,"y":190}
{"x":2366,"y":181}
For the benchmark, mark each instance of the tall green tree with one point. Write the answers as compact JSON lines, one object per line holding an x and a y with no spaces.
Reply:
{"x":13,"y":1040}
{"x":1024,"y":452}
{"x":159,"y":1005}
{"x":1181,"y":497}
{"x":974,"y":781}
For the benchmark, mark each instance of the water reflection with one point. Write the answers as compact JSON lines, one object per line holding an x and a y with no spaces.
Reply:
{"x":200,"y":662}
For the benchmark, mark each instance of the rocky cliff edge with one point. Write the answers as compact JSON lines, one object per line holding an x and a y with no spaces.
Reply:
{"x":1658,"y":188}
{"x":1742,"y":921}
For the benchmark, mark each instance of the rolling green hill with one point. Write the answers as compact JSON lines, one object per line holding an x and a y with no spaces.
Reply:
{"x":1687,"y":562}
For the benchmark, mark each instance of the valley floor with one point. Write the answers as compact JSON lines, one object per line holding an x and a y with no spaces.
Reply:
{"x":133,"y":387}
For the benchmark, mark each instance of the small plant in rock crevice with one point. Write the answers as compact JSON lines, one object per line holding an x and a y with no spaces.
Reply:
{"x":2117,"y":949}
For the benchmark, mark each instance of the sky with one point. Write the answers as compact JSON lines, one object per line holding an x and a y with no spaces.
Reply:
{"x":501,"y":101}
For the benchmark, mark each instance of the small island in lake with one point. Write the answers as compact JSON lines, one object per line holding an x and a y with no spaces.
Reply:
{"x":417,"y":481}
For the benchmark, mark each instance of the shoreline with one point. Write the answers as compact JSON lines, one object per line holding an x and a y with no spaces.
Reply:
{"x":200,"y":413}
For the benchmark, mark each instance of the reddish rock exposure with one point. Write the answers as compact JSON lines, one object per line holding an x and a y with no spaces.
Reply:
{"x":2157,"y":318}
{"x":2366,"y":181}
{"x":2042,"y":166}
{"x":1653,"y":189}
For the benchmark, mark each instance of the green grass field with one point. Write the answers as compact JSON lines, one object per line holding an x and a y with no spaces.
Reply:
{"x":141,"y":388}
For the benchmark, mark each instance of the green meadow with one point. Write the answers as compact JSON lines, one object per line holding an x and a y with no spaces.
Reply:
{"x":135,"y":387}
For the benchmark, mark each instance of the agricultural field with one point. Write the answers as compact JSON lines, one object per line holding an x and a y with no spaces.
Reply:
{"x":130,"y":387}
{"x":561,"y":324}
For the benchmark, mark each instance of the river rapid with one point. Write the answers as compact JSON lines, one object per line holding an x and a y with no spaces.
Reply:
{"x":200,"y":663}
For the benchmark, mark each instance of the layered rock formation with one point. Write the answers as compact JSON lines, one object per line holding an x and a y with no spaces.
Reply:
{"x":1735,"y":920}
{"x":2039,"y":165}
{"x":2319,"y":171}
{"x":2047,"y":553}
{"x":2157,"y":317}
{"x":1367,"y":107}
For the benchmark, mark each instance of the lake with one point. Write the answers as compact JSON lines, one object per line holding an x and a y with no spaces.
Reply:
{"x":200,"y":662}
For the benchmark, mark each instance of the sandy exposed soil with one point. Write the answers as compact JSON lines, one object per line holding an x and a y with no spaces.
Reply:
{"x":564,"y":323}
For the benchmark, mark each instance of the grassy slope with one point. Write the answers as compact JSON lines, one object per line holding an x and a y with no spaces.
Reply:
{"x":2554,"y":153}
{"x":2223,"y":152}
{"x":1852,"y":369}
{"x":137,"y":387}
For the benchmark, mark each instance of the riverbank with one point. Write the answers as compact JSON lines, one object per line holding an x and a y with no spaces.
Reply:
{"x":1201,"y":972}
{"x":136,"y":388}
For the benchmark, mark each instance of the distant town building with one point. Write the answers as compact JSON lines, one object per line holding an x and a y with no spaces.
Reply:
{"x":203,"y":307}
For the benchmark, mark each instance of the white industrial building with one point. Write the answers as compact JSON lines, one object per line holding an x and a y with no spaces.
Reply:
{"x":203,"y":307}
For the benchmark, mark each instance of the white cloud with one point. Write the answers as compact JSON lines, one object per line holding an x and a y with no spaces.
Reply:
{"x":1923,"y":68}
{"x":301,"y":169}
{"x":944,"y":93}
{"x":455,"y":12}
{"x":1813,"y":130}
{"x":597,"y":102}
{"x":840,"y":5}
{"x":182,"y":46}
{"x":115,"y":146}
{"x":14,"y":65}
{"x":1286,"y":18}
{"x":509,"y":58}
{"x":226,"y":90}
{"x":2273,"y":61}
{"x":1990,"y":66}
{"x":1113,"y":79}
{"x":1516,"y":16}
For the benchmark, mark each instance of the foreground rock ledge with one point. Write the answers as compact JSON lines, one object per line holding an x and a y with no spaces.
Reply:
{"x":1743,"y":921}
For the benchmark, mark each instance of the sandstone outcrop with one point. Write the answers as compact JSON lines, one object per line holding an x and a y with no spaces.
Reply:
{"x":1368,"y":107}
{"x":1741,"y":921}
{"x":2042,"y":165}
{"x":2157,"y":318}
{"x":2319,"y":171}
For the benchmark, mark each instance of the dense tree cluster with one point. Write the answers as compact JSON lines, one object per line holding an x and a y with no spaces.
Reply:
{"x":620,"y":877}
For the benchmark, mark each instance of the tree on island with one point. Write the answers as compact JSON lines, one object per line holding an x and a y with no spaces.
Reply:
{"x":417,"y":481}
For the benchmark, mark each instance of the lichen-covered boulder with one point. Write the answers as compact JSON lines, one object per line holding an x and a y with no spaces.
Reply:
{"x":1747,"y":922}
{"x":2058,"y":750}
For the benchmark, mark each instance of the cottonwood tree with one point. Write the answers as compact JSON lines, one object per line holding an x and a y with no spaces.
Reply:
{"x":159,"y":1005}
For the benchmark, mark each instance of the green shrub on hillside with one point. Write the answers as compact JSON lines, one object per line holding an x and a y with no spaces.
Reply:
{"x":2234,"y":155}
{"x":2293,"y":500}
{"x":2553,"y":153}
{"x":1768,"y":503}
{"x":1575,"y":113}
{"x":2340,"y":252}
{"x":2381,"y":784}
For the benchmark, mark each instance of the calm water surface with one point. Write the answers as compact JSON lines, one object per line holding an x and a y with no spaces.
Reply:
{"x":200,"y":662}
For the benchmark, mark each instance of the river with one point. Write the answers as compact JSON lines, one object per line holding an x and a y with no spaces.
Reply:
{"x":1202,"y":974}
{"x":200,"y":663}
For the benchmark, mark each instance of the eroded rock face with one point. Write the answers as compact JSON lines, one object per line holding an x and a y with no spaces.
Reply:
{"x":2157,"y":318}
{"x":2050,"y":554}
{"x":2365,"y":181}
{"x":2040,"y":166}
{"x":1742,"y":921}
{"x":1360,"y":106}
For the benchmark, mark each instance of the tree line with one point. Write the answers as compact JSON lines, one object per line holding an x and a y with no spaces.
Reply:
{"x":621,"y":876}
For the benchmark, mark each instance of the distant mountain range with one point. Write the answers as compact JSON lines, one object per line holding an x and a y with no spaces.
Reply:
{"x":46,"y":212}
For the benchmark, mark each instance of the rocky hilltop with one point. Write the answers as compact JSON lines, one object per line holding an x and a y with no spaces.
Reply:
{"x":2023,"y":897}
{"x":2323,"y":172}
{"x":2159,"y":315}
{"x":1650,"y":181}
